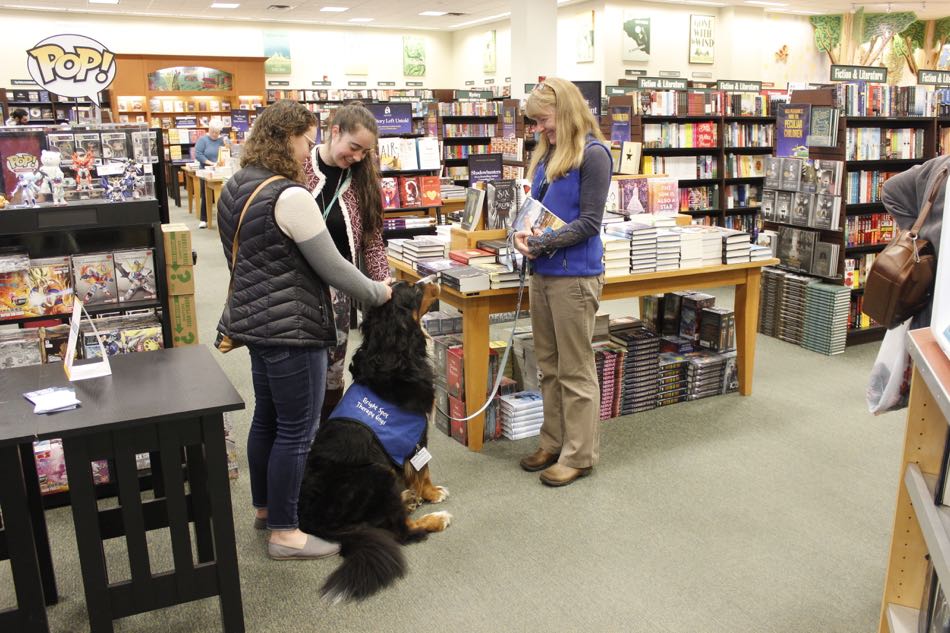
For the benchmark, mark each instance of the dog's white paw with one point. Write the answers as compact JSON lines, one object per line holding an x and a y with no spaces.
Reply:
{"x":444,"y":517}
{"x":441,"y":495}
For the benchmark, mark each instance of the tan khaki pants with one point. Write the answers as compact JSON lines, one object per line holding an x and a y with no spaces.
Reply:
{"x":562,"y":317}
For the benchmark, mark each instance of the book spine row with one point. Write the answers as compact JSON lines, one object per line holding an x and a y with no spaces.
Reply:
{"x":866,"y":230}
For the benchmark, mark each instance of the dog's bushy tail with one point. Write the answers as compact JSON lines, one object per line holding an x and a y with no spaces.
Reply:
{"x":372,"y":560}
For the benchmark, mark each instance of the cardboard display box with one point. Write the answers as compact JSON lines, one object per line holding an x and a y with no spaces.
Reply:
{"x":177,"y":239}
{"x":184,"y":320}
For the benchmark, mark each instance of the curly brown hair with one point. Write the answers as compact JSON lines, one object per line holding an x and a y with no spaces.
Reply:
{"x":350,"y":118}
{"x":270,"y":146}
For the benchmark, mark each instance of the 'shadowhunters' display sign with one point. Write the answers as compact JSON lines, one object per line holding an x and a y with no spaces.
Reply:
{"x":72,"y":65}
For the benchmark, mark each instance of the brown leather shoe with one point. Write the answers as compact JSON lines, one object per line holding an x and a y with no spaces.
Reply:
{"x":561,"y":475}
{"x":538,"y":460}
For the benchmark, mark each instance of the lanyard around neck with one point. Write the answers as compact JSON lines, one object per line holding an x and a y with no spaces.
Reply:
{"x":341,"y":184}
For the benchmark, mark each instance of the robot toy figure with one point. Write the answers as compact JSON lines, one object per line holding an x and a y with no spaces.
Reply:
{"x":131,"y":180}
{"x":54,"y":181}
{"x":99,"y":281}
{"x":140,"y":278}
{"x":114,"y":188}
{"x":82,"y":163}
{"x":28,"y":184}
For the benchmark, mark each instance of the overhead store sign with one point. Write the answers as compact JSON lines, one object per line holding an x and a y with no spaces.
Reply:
{"x":392,"y":119}
{"x":386,"y":84}
{"x":413,"y":84}
{"x":71,"y":66}
{"x":730,"y":85}
{"x":669,"y":73}
{"x":872,"y":74}
{"x":321,"y":84}
{"x":634,"y":72}
{"x":933,"y":77}
{"x":662,"y":83}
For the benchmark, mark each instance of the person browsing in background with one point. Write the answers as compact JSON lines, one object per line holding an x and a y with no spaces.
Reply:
{"x":283,"y":315}
{"x":904,"y":195}
{"x":18,"y":117}
{"x":206,"y":153}
{"x":343,"y":178}
{"x":570,"y":174}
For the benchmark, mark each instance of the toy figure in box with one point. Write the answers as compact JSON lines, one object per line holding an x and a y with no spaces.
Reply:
{"x":100,"y":281}
{"x":132,"y":180}
{"x":54,"y":181}
{"x":82,"y":163}
{"x":141,"y":280}
{"x":114,"y":188}
{"x":28,"y":184}
{"x":50,"y":289}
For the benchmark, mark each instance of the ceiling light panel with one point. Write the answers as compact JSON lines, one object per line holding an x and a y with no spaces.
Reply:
{"x":334,"y":9}
{"x":433,"y":14}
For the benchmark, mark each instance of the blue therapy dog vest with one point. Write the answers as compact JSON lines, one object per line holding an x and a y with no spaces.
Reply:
{"x":563,"y":197}
{"x":396,"y":429}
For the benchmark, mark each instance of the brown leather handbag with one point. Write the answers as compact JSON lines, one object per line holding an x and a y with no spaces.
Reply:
{"x":901,"y":281}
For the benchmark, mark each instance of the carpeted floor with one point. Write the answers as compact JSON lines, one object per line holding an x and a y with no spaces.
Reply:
{"x":766,"y":514}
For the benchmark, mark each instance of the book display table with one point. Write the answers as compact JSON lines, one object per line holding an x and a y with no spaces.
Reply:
{"x":476,"y":306}
{"x":192,"y":185}
{"x":168,"y":403}
{"x":212,"y":188}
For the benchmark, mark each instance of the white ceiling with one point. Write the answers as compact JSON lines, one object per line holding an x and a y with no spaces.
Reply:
{"x":405,"y":13}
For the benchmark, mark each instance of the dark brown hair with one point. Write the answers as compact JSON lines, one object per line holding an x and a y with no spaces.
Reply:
{"x":350,"y":118}
{"x":270,"y":143}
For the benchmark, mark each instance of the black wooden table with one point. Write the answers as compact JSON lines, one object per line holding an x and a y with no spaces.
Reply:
{"x":168,"y":403}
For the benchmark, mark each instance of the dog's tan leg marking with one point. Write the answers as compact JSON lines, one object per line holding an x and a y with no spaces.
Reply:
{"x":430,"y":492}
{"x":433,"y":522}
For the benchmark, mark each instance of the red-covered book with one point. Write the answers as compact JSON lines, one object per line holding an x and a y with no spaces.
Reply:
{"x":470,"y":256}
{"x":409,"y":191}
{"x":455,"y":372}
{"x":430,"y":191}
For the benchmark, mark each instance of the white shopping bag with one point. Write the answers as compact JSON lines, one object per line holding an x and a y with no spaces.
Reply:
{"x":889,"y":384}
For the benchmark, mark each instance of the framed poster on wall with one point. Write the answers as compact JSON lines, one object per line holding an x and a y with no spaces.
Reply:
{"x":702,"y":39}
{"x":636,"y":37}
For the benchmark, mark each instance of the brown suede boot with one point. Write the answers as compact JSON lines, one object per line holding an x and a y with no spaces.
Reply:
{"x":330,"y":400}
{"x":538,"y":460}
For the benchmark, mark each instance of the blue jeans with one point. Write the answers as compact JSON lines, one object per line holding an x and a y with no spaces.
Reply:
{"x":289,"y":384}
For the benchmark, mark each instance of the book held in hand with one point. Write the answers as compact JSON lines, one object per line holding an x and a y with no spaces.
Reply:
{"x":533,"y":214}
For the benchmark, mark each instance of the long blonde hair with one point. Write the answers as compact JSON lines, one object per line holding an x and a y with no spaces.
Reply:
{"x":574,"y":121}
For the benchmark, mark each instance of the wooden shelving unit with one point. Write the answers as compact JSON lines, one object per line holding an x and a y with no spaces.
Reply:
{"x":921,"y":527}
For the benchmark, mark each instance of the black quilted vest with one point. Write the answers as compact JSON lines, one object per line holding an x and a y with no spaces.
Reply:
{"x":277,"y":299}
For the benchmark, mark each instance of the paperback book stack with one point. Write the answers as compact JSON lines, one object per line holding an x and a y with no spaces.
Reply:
{"x":826,"y":318}
{"x":641,"y":244}
{"x":704,"y":374}
{"x":435,"y":267}
{"x":521,"y":414}
{"x":616,"y":256}
{"x":422,"y":248}
{"x":758,"y":253}
{"x":691,"y":248}
{"x":394,"y":248}
{"x":770,"y":300}
{"x":792,"y":325}
{"x":717,"y":332}
{"x":465,"y":279}
{"x":672,"y":382}
{"x":736,"y":246}
{"x":713,"y":244}
{"x":667,"y":249}
{"x":499,"y":276}
{"x":639,"y":375}
{"x":608,"y":361}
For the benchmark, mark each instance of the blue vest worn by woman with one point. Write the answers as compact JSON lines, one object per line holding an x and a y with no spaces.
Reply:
{"x":563,"y":197}
{"x":396,"y":429}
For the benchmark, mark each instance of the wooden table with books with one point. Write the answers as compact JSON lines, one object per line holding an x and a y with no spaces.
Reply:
{"x":212,"y":185}
{"x":477,"y":306}
{"x":191,"y":187}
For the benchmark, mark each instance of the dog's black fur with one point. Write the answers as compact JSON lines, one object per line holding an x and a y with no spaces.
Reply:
{"x":351,"y":491}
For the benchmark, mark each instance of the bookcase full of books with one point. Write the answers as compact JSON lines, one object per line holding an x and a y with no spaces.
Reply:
{"x":46,"y":108}
{"x":467,"y":128}
{"x":872,"y":149}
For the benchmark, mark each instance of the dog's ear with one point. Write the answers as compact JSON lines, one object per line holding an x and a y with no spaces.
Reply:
{"x":430,"y":292}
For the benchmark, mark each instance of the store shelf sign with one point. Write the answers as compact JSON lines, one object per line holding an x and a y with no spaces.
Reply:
{"x":71,"y":66}
{"x":392,"y":119}
{"x":730,"y":85}
{"x":933,"y":77}
{"x":356,"y":84}
{"x":662,"y":83}
{"x":872,"y":74}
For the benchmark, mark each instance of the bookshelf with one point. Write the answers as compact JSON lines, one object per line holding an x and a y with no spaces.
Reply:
{"x":466,"y":128}
{"x":862,"y":212}
{"x":921,"y":526}
{"x":46,"y":108}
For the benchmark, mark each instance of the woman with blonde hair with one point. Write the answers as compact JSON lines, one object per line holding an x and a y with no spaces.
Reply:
{"x":570,"y":174}
{"x":344,"y":180}
{"x":206,"y":153}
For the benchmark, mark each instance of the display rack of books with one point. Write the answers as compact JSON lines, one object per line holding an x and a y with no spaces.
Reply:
{"x":748,"y":137}
{"x":467,"y":128}
{"x":46,"y":108}
{"x":510,"y":140}
{"x":411,"y":191}
{"x":866,"y":151}
{"x":78,"y":224}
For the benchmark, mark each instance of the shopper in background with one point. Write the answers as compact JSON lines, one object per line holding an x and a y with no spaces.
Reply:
{"x":206,"y":153}
{"x":343,"y":177}
{"x":18,"y":117}
{"x":570,"y":174}
{"x":904,"y":196}
{"x":280,"y":308}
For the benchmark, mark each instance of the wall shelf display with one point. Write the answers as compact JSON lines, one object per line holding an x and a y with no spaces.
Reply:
{"x":45,"y":108}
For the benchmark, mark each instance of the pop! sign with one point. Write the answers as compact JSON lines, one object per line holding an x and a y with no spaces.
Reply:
{"x":72,"y":66}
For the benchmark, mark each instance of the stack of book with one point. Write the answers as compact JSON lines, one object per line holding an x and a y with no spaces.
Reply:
{"x":499,"y":276}
{"x":606,"y":358}
{"x":672,"y":383}
{"x":713,"y":246}
{"x":826,"y":318}
{"x":616,"y":256}
{"x":792,"y":326}
{"x":758,"y":253}
{"x":643,"y":251}
{"x":638,"y":391}
{"x":667,"y":249}
{"x":770,"y":300}
{"x":691,"y":248}
{"x":428,"y":267}
{"x":407,"y":222}
{"x":691,"y":314}
{"x":736,"y":246}
{"x":521,"y":414}
{"x":704,"y":374}
{"x":423,"y":247}
{"x":394,"y":247}
{"x":465,"y":279}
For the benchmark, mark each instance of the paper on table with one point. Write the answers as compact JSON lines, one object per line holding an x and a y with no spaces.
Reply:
{"x":52,"y":399}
